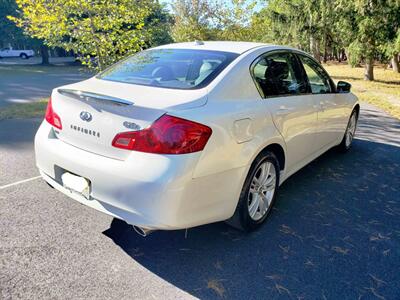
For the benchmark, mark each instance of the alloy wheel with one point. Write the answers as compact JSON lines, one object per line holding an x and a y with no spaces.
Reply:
{"x":351,"y":129}
{"x":262,"y":190}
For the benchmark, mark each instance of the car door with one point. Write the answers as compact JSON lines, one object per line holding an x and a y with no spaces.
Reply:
{"x":14,"y":53}
{"x":294,"y":113}
{"x":332,"y":111}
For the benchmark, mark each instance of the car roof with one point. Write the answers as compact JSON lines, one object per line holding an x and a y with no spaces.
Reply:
{"x":226,"y":46}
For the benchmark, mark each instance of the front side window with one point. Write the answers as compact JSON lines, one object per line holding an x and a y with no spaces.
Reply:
{"x":317,"y":78}
{"x":170,"y":68}
{"x":275,"y":75}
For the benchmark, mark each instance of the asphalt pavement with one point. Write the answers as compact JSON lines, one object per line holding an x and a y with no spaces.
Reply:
{"x":334,"y":234}
{"x":31,"y":82}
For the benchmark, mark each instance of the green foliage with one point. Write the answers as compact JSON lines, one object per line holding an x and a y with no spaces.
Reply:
{"x":101,"y":32}
{"x":9,"y":33}
{"x":213,"y":20}
{"x":366,"y":29}
{"x":193,"y":20}
{"x":306,"y":24}
{"x":369,"y":27}
{"x":373,"y":25}
{"x":158,"y":26}
{"x":234,"y":21}
{"x":356,"y":52}
{"x":392,"y":46}
{"x":282,"y":22}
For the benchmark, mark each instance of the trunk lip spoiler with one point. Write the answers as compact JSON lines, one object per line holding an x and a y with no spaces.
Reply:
{"x":87,"y":96}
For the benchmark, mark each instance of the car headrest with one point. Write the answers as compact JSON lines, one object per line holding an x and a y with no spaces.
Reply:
{"x":205,"y":67}
{"x":277,"y":71}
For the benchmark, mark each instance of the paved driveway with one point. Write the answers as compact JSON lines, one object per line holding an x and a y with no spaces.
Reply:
{"x":334,"y":234}
{"x":24,"y":83}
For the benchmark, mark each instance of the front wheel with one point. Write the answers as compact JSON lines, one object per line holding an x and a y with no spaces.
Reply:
{"x":258,"y":193}
{"x":23,"y":56}
{"x":348,"y":137}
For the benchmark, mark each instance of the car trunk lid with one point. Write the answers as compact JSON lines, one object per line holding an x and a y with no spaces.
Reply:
{"x":92,"y":112}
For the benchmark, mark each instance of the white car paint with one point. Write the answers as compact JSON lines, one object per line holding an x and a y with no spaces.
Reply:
{"x":10,"y":52}
{"x":167,"y":192}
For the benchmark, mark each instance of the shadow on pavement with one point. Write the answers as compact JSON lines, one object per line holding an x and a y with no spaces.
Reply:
{"x":15,"y":132}
{"x":334,"y":232}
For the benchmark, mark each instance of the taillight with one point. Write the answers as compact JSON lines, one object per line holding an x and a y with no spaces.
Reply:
{"x":52,"y":117}
{"x":167,"y":135}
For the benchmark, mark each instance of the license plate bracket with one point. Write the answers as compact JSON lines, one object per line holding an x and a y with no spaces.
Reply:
{"x":77,"y":184}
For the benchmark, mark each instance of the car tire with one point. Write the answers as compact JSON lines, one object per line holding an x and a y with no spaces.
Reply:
{"x":23,"y":56}
{"x":348,"y":137}
{"x":247,"y":217}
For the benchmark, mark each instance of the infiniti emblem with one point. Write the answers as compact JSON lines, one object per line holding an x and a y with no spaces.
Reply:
{"x":86,"y":116}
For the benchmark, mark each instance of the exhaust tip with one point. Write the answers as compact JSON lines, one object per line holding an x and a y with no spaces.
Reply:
{"x":142,"y":231}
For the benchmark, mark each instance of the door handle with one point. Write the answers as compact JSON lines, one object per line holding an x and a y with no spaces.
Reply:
{"x":284,"y":111}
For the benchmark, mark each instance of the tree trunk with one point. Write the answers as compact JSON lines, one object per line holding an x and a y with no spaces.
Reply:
{"x":44,"y":51}
{"x":325,"y":47}
{"x":395,"y":63}
{"x":345,"y":55}
{"x":314,"y":47}
{"x":369,"y":69}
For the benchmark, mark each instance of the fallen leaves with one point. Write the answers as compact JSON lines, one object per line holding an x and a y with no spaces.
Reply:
{"x":217,"y":287}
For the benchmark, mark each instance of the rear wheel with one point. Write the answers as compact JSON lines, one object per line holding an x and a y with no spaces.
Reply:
{"x":23,"y":56}
{"x":258,"y":193}
{"x":348,"y":137}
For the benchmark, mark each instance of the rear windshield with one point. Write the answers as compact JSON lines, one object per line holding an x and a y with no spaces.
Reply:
{"x":170,"y":68}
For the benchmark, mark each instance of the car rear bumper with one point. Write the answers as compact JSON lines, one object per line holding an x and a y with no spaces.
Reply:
{"x":147,"y":190}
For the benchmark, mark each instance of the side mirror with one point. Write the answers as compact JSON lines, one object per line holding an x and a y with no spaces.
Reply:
{"x":343,"y":87}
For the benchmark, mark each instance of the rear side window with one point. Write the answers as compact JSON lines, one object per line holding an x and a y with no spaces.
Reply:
{"x":170,"y":68}
{"x":277,"y":74}
{"x":318,"y":79}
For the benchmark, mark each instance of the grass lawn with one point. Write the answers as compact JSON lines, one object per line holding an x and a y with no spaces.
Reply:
{"x":384,"y":92}
{"x":24,"y":110}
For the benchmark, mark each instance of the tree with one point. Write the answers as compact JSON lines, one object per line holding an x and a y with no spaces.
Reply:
{"x":8,"y":31}
{"x":371,"y":24}
{"x":234,"y":20}
{"x":279,"y":22}
{"x":158,"y":26}
{"x":11,"y":34}
{"x":305,"y":24}
{"x":100,"y":32}
{"x":392,"y":46}
{"x":394,"y":52}
{"x":213,"y":20}
{"x":194,"y":20}
{"x":366,"y":28}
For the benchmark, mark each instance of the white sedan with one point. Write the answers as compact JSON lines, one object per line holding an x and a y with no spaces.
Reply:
{"x":187,"y":134}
